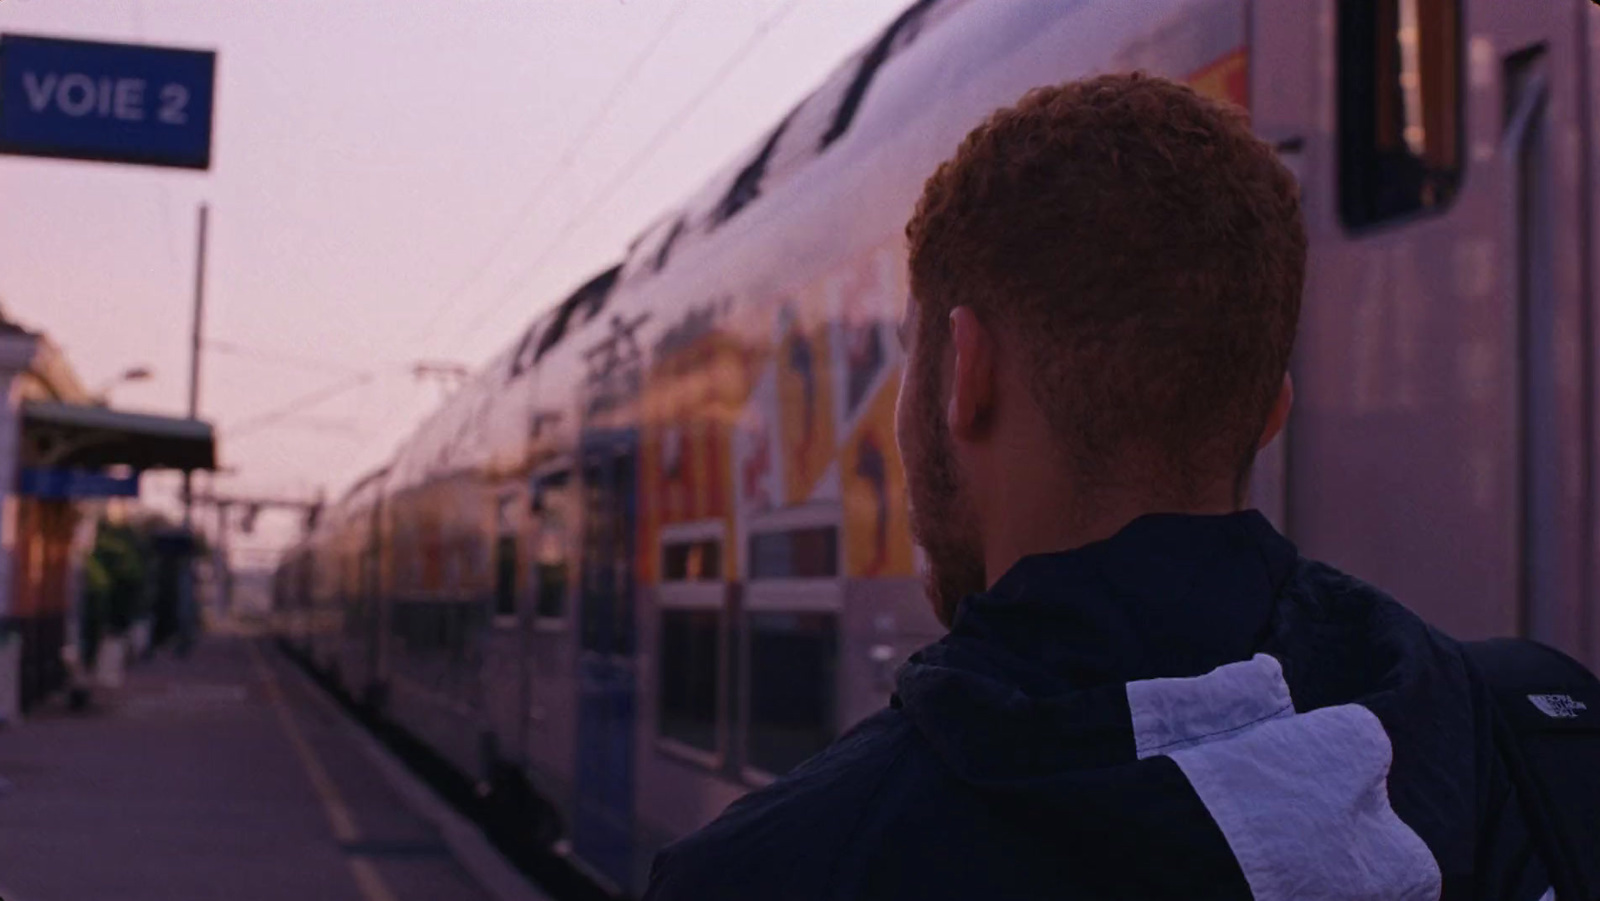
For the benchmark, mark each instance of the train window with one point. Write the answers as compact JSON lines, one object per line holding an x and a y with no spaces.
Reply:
{"x":692,"y":561}
{"x":411,"y":623}
{"x":665,"y":253}
{"x":809,"y":553}
{"x":791,"y":662}
{"x":1400,"y":135}
{"x":455,"y":639}
{"x":734,"y":681}
{"x":505,"y":576}
{"x":553,"y":582}
{"x":522,"y":360}
{"x":553,"y":587}
{"x":605,"y":578}
{"x":552,"y":552}
{"x":585,"y":303}
{"x":692,"y":600}
{"x":746,"y":185}
{"x":691,"y":649}
{"x":900,"y":32}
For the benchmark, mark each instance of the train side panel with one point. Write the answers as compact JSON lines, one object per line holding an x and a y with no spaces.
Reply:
{"x":1438,"y":445}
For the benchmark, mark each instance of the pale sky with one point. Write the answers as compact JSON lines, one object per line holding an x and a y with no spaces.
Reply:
{"x":377,"y":167}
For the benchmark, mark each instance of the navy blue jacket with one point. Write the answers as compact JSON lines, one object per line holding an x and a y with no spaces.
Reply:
{"x":1189,"y":709}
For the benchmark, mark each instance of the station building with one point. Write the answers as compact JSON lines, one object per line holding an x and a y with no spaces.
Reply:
{"x":64,"y":455}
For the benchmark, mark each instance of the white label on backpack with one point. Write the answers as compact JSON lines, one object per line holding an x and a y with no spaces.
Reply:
{"x":1561,"y":707}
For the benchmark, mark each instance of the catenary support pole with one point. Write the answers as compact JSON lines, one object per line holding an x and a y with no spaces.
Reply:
{"x":194,"y":352}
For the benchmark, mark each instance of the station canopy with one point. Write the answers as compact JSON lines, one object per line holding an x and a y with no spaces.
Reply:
{"x":83,"y":436}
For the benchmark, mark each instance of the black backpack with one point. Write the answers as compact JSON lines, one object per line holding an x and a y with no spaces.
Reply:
{"x":1547,"y":730}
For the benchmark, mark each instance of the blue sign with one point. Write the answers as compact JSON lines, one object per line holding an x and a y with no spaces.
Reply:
{"x":63,"y":484}
{"x":119,"y":103}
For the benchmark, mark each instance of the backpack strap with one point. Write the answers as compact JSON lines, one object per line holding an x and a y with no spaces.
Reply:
{"x":1547,"y":732}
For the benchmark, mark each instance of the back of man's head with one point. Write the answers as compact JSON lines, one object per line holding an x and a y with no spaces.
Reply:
{"x":1143,"y":252}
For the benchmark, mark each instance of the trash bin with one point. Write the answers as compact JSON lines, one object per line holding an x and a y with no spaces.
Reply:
{"x":139,"y":636}
{"x":110,"y":664}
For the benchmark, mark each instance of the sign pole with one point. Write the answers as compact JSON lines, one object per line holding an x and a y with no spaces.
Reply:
{"x":194,"y":353}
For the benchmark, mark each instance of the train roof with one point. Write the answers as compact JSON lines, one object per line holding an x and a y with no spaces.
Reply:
{"x":845,"y":109}
{"x":438,"y":446}
{"x":806,"y":132}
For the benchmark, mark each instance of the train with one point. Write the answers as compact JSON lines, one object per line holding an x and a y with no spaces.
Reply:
{"x":655,"y":553}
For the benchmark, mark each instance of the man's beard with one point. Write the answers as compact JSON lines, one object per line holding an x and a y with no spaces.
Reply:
{"x":943,"y":521}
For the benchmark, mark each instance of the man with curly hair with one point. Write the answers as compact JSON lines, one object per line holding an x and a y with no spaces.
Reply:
{"x":1146,"y":692}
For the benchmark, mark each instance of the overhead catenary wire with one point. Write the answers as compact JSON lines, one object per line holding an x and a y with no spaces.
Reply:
{"x":624,"y":175}
{"x":298,"y":405}
{"x":563,"y":163}
{"x":246,"y":352}
{"x":295,"y":418}
{"x":377,"y":433}
{"x":344,"y":430}
{"x":628,"y":170}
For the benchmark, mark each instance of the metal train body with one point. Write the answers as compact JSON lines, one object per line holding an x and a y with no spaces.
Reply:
{"x":656,"y":553}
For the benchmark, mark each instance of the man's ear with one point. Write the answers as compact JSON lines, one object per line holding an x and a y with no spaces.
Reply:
{"x":972,"y":380}
{"x":1280,"y":412}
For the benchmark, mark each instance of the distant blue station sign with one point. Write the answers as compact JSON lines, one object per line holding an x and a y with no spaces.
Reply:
{"x":65,"y":484}
{"x":120,"y":103}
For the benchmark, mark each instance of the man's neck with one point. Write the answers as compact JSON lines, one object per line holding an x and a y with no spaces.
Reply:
{"x":1053,"y":522}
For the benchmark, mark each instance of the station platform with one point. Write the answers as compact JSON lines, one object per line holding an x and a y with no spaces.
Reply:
{"x":227,"y":775}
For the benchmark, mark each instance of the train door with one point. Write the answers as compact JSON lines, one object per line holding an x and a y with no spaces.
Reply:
{"x":1437,"y":443}
{"x":549,"y":671}
{"x":602,"y":828}
{"x":1542,"y":154}
{"x":1526,"y":74}
{"x":505,"y":645}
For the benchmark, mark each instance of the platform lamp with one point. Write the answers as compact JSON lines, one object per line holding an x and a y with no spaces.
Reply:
{"x":131,"y":374}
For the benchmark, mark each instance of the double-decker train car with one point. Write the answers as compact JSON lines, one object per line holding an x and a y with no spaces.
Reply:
{"x":656,"y":553}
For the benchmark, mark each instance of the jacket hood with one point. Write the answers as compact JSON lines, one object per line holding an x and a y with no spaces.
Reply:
{"x":1084,"y":676}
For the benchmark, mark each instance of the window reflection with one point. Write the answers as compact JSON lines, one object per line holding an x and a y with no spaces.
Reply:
{"x":690,"y":651}
{"x":552,"y":555}
{"x":1399,"y":107}
{"x":792,"y":661}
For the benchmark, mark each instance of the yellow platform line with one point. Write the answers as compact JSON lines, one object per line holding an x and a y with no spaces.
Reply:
{"x":367,"y":877}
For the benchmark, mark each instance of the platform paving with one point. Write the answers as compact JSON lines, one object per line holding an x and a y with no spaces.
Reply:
{"x":226,"y":776}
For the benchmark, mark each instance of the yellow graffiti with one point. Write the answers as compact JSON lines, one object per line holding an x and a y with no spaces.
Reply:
{"x":876,"y":527}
